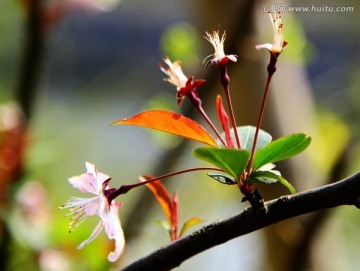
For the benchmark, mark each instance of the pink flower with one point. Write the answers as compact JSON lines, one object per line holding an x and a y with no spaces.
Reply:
{"x":279,"y":43}
{"x":96,"y":183}
{"x":219,"y":54}
{"x":186,"y":87}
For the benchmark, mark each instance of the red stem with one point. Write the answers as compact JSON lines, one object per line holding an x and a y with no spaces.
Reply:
{"x":232,"y":116}
{"x":202,"y":111}
{"x":127,"y":187}
{"x":262,"y":109}
{"x":225,"y":82}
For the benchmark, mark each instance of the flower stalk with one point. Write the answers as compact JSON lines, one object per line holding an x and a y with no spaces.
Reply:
{"x":225,"y":83}
{"x":275,"y":49}
{"x":127,"y":187}
{"x":258,"y":124}
{"x":220,"y":59}
{"x":207,"y":119}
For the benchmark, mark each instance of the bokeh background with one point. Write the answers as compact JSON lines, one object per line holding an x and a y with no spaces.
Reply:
{"x":69,"y":68}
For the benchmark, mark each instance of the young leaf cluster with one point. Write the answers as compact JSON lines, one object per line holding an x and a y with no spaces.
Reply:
{"x":234,"y":162}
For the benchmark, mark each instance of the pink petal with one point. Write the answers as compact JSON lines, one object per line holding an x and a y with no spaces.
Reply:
{"x":101,"y":178}
{"x":102,"y":206}
{"x":92,"y":208}
{"x":84,"y":183}
{"x":92,"y":171}
{"x":232,"y":57}
{"x":115,"y":232}
{"x":93,"y":235}
{"x":264,"y":46}
{"x":98,"y":177}
{"x":91,"y":168}
{"x":119,"y":247}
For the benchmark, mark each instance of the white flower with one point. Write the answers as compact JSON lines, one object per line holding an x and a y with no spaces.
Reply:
{"x":185,"y":87}
{"x":175,"y":73}
{"x":279,"y":43}
{"x":96,"y":183}
{"x":218,"y":44}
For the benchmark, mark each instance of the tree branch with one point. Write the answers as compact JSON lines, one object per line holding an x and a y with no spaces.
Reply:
{"x":31,"y":60}
{"x":345,"y":192}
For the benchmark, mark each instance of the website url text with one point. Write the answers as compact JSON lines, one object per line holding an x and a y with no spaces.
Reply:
{"x":313,"y":8}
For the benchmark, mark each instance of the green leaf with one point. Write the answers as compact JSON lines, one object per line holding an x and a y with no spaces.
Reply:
{"x":281,"y":149}
{"x":231,"y":161}
{"x":247,"y":134}
{"x":265,"y":177}
{"x":221,"y":178}
{"x":189,"y":223}
{"x":268,"y":177}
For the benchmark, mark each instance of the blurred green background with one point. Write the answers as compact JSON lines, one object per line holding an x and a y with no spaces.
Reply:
{"x":99,"y":66}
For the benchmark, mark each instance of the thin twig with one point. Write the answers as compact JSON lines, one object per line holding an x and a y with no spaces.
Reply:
{"x":258,"y":125}
{"x":232,"y":116}
{"x":205,"y":116}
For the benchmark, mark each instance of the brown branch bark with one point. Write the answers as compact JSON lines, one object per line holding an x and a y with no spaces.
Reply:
{"x":32,"y":58}
{"x":345,"y":192}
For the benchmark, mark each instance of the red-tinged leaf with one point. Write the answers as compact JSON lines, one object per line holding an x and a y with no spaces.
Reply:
{"x":174,"y":218}
{"x":172,"y":123}
{"x":161,"y":195}
{"x":188,"y":224}
{"x":224,"y":120}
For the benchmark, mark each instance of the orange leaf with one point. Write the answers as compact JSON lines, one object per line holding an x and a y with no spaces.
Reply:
{"x":172,"y":123}
{"x":161,"y":195}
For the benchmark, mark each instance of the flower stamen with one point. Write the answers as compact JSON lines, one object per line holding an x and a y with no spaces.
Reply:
{"x":218,"y":43}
